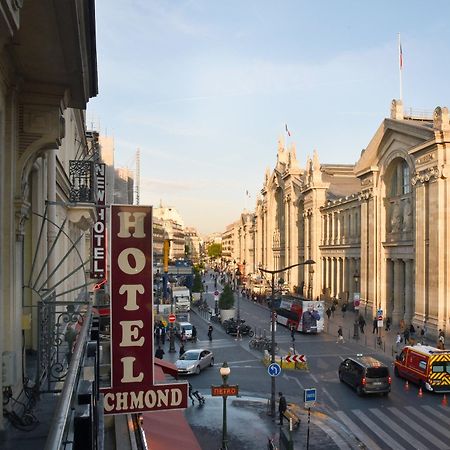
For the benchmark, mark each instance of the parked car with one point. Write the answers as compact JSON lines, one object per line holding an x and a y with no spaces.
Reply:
{"x":193,"y":361}
{"x":186,"y":326}
{"x":366,"y":374}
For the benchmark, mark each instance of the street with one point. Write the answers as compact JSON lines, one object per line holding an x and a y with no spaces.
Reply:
{"x":402,"y":420}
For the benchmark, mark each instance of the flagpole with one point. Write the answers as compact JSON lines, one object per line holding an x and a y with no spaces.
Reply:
{"x":400,"y":66}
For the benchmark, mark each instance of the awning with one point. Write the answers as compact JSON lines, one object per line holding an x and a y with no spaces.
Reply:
{"x":167,"y":429}
{"x":167,"y":367}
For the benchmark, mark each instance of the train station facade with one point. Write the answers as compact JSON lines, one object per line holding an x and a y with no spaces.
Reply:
{"x":379,"y":227}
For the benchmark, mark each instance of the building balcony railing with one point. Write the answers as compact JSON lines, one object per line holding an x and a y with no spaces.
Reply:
{"x":82,"y":181}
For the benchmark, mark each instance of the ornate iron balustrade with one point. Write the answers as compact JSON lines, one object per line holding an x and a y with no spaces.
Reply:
{"x":59,"y":326}
{"x":82,"y":181}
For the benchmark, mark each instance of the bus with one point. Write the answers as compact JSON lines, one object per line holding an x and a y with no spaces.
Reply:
{"x":306,"y":316}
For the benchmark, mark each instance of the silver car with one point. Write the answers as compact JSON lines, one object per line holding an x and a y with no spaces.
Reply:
{"x":193,"y":361}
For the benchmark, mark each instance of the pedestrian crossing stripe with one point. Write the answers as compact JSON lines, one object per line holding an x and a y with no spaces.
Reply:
{"x":419,"y":427}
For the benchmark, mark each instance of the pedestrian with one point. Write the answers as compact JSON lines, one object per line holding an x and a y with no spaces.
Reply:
{"x":183,"y":336}
{"x":238,"y":332}
{"x":194,"y":334}
{"x":190,"y":394}
{"x":182,"y":350}
{"x":398,"y":341}
{"x":163,"y":334}
{"x":340,"y":335}
{"x":210,"y":330}
{"x":362,"y":323}
{"x":333,"y":309}
{"x":159,"y":353}
{"x":344,"y":309}
{"x":282,"y":406}
{"x":328,"y":312}
{"x":441,"y":340}
{"x":292,"y":332}
{"x":375,"y":326}
{"x":406,"y":335}
{"x":412,"y":330}
{"x":388,"y":324}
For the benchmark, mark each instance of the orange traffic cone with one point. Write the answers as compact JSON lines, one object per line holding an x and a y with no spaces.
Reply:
{"x":406,"y":385}
{"x":420,"y":394}
{"x":444,"y":401}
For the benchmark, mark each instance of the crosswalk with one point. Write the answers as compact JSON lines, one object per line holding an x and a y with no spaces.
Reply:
{"x":421,"y":427}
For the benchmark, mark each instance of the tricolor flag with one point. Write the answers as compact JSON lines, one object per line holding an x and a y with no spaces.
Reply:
{"x":400,"y":56}
{"x":287,"y":130}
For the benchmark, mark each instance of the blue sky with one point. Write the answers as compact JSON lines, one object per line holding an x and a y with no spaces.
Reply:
{"x":205,"y":87}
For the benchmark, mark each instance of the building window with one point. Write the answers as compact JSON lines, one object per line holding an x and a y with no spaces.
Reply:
{"x":406,"y":187}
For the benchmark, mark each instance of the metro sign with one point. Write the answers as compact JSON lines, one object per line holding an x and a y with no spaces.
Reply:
{"x":224,"y":391}
{"x":133,"y":389}
{"x":295,"y":358}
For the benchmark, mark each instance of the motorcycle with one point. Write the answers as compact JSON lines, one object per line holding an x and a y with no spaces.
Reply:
{"x":244,"y":329}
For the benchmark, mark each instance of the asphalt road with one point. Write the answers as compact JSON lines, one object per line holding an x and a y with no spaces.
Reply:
{"x":402,"y":420}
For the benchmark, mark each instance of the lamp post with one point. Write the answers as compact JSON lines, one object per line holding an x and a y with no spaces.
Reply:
{"x":238,"y":278}
{"x":310,"y":287}
{"x":356,"y":295}
{"x":272,"y":321}
{"x":224,"y":372}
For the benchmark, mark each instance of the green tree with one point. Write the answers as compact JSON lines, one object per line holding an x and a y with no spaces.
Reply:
{"x":215,"y":250}
{"x":226,"y":299}
{"x":197,"y":285}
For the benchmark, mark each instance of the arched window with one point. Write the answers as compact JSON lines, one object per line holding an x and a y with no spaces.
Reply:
{"x":400,"y":180}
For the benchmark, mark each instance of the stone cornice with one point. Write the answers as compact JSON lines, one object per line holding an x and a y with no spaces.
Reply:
{"x":426,"y":175}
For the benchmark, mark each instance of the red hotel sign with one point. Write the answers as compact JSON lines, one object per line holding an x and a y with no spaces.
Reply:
{"x":133,"y":389}
{"x":98,"y":260}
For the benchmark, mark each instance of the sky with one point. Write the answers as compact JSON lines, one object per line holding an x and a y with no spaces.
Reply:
{"x":205,"y":88}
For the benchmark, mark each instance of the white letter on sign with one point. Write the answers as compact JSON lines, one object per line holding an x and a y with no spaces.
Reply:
{"x":131,"y":290}
{"x":139,"y":259}
{"x":130,"y":331}
{"x":128,"y":376}
{"x":126,"y":224}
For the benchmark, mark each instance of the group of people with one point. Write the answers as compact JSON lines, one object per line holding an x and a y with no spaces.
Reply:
{"x":160,"y":340}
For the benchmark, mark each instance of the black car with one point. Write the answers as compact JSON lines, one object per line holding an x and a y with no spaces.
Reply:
{"x":366,"y":374}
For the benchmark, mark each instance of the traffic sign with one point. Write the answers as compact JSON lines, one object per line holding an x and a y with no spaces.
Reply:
{"x":172,"y":318}
{"x":295,"y":358}
{"x":274,"y":370}
{"x":216,"y":293}
{"x":310,"y":397}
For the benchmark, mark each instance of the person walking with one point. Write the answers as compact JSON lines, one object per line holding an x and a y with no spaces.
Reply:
{"x":333,"y":309}
{"x":210,"y":330}
{"x":388,"y":324}
{"x":328,"y":312}
{"x":194,"y":334}
{"x":406,"y":335}
{"x":441,"y":340}
{"x":238,"y":332}
{"x":163,"y":335}
{"x":398,"y":341}
{"x":182,"y":350}
{"x":375,"y":326}
{"x":340,"y":335}
{"x":362,"y":323}
{"x":282,"y":406}
{"x":292,"y":333}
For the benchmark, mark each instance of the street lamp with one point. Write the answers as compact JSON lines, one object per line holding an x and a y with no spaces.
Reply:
{"x":224,"y":372}
{"x":310,"y":287}
{"x":272,"y":321}
{"x":356,"y":279}
{"x":356,"y":295}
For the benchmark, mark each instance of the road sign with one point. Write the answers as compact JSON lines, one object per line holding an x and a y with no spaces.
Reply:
{"x":274,"y":370}
{"x":224,"y":391}
{"x":172,"y":318}
{"x":310,"y":397}
{"x":295,"y":358}
{"x":216,"y":293}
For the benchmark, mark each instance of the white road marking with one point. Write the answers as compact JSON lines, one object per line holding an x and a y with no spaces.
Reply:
{"x":332,"y":400}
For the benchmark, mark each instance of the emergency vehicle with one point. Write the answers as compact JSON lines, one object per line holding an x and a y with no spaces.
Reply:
{"x":426,"y":366}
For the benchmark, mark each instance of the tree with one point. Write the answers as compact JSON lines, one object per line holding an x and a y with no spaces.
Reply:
{"x":215,"y":250}
{"x":197,"y":286}
{"x":226,"y":299}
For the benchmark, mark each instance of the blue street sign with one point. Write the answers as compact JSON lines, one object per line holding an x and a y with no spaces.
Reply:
{"x":310,"y":395}
{"x":274,"y":370}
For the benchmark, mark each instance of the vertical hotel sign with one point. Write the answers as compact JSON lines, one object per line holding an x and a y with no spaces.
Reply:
{"x":132,"y":382}
{"x":98,"y":260}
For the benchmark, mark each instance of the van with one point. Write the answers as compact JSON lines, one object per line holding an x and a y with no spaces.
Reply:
{"x":366,"y":374}
{"x":427,"y":366}
{"x":183,"y":326}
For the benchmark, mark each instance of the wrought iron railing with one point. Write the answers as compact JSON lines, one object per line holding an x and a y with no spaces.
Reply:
{"x":82,"y":181}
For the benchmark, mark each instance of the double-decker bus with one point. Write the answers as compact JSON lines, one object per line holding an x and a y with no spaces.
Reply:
{"x":306,"y":316}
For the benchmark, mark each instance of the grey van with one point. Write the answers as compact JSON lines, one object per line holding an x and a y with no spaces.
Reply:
{"x":366,"y":374}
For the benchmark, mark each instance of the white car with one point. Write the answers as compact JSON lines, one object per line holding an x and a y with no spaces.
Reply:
{"x":193,"y":361}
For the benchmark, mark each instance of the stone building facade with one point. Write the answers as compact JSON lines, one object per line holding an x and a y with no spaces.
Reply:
{"x":378,"y":228}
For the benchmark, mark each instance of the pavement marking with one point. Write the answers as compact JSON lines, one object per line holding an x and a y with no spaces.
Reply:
{"x":287,"y":377}
{"x":419,"y":429}
{"x":335,"y":403}
{"x":314,"y":378}
{"x":245,"y":361}
{"x":377,"y":430}
{"x":432,"y":423}
{"x":356,"y":430}
{"x":398,"y":429}
{"x":336,"y":437}
{"x":433,"y":411}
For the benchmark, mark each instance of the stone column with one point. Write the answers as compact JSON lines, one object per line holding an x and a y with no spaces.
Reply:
{"x":399,"y":292}
{"x":409,"y":298}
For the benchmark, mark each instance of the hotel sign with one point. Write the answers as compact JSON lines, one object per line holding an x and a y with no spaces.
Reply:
{"x":98,"y":260}
{"x":132,"y":378}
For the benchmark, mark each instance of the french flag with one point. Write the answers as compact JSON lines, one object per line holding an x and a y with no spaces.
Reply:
{"x":287,"y":130}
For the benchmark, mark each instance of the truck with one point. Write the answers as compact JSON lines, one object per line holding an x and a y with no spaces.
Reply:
{"x":427,"y":366}
{"x":181,"y":298}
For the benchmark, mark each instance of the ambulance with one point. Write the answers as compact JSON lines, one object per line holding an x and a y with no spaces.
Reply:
{"x":426,"y":366}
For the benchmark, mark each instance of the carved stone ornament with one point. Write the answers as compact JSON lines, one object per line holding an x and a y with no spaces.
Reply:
{"x":365,"y":195}
{"x":426,"y":158}
{"x":423,"y":176}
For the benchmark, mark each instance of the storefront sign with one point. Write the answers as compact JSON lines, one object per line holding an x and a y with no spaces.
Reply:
{"x":98,"y":260}
{"x":133,"y":388}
